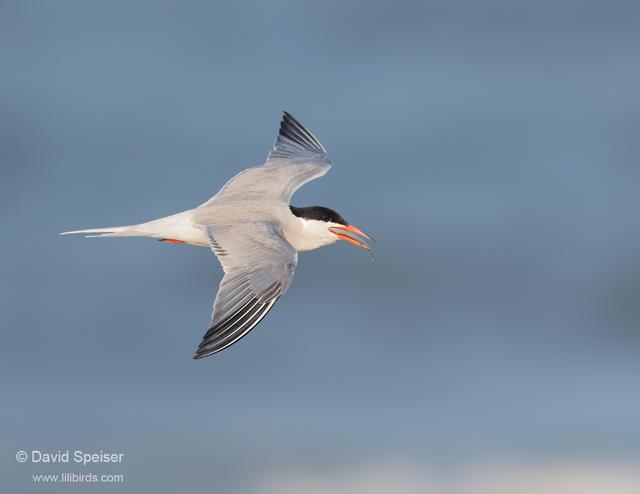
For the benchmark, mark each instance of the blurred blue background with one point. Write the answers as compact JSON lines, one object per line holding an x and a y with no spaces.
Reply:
{"x":492,"y":148}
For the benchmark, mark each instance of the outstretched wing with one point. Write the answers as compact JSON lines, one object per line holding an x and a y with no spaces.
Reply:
{"x":297,"y":157}
{"x":258,"y":264}
{"x":295,"y":143}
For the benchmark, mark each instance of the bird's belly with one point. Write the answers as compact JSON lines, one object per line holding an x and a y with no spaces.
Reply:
{"x":176,"y":227}
{"x":187,"y":234}
{"x":193,"y":236}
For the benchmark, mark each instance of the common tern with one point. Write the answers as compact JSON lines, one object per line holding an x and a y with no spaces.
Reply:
{"x":254,"y":232}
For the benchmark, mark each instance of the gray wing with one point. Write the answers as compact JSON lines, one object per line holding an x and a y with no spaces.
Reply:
{"x":258,"y":264}
{"x":297,"y":157}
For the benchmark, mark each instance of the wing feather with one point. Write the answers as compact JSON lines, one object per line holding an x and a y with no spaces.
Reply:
{"x":259,"y":265}
{"x":297,"y":157}
{"x":296,"y":143}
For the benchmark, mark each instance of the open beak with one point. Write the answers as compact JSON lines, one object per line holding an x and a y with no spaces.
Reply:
{"x":350,"y":233}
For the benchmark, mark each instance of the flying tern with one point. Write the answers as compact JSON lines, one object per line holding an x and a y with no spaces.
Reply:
{"x":254,"y":232}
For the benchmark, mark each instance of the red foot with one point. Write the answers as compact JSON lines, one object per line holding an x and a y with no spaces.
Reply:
{"x":172,"y":241}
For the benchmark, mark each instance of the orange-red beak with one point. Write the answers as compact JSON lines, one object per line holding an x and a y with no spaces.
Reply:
{"x":348,"y":234}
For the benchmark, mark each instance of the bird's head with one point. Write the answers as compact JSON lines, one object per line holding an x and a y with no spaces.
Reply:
{"x":327,"y":226}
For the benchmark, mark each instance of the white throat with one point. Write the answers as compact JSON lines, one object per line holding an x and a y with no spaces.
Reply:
{"x":306,"y":234}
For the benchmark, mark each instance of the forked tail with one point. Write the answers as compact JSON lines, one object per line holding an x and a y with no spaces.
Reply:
{"x":178,"y":227}
{"x":114,"y":231}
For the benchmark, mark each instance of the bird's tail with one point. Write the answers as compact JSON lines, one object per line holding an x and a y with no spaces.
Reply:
{"x":114,"y":231}
{"x":175,"y":227}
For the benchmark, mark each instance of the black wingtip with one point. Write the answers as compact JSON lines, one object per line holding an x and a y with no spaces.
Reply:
{"x":288,"y":120}
{"x":294,"y":138}
{"x":200,"y":353}
{"x":286,"y":116}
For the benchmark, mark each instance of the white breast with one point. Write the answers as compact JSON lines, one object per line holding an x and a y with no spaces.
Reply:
{"x":305,"y":234}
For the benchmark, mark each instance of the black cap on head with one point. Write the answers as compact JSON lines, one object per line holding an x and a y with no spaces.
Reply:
{"x":318,"y":213}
